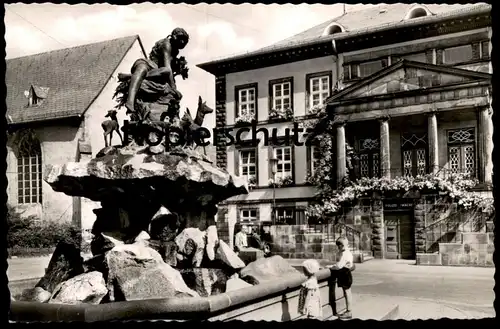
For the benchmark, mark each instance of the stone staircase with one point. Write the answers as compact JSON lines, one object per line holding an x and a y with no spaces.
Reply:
{"x":470,"y":249}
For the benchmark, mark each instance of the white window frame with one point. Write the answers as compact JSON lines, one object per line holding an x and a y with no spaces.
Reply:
{"x":34,"y":181}
{"x":249,"y":218}
{"x":246,"y":92}
{"x":281,"y":161}
{"x":248,"y":164}
{"x":323,"y":94}
{"x":283,"y":97}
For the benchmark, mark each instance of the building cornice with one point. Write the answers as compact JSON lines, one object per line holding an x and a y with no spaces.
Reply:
{"x":392,"y":33}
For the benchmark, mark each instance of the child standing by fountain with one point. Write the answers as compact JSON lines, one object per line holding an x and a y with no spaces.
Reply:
{"x":342,"y":269}
{"x":309,"y":296}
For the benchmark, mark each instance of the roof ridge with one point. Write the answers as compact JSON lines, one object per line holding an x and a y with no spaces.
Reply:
{"x":74,"y":47}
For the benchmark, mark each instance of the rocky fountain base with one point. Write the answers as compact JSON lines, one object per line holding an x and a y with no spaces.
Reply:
{"x":154,"y":245}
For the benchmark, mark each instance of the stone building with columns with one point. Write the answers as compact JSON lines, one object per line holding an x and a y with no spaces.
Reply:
{"x":409,"y":83}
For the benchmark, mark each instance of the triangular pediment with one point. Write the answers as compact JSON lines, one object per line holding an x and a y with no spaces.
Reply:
{"x":406,"y":76}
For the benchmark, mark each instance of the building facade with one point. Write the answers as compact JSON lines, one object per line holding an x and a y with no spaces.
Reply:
{"x":56,"y":102}
{"x":408,"y":83}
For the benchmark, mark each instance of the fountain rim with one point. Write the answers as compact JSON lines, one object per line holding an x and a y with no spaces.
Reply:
{"x":189,"y":308}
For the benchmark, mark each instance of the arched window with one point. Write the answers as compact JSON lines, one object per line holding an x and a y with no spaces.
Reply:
{"x":29,"y":168}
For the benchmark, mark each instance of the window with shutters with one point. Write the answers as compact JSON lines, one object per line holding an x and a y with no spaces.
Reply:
{"x":281,"y":94}
{"x":284,"y":164}
{"x":369,"y":157}
{"x":29,"y":173}
{"x":285,"y":216}
{"x":318,"y":88}
{"x":462,"y":151}
{"x":414,"y":153}
{"x":248,"y":165}
{"x":246,"y":100}
{"x":458,"y":54}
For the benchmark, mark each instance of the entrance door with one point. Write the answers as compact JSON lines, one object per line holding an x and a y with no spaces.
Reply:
{"x":399,"y":236}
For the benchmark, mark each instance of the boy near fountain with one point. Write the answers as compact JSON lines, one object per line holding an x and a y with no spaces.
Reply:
{"x":342,"y":269}
{"x":310,"y":296}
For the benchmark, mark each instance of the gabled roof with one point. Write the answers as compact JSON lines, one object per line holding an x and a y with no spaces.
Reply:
{"x":377,"y":81}
{"x":69,"y":79}
{"x":377,"y":18}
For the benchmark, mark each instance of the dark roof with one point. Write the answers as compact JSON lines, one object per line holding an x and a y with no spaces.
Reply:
{"x":359,"y":22}
{"x":68,"y":79}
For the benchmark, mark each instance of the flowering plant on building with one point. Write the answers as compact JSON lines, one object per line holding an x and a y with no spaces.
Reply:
{"x":456,"y":186}
{"x":281,"y":181}
{"x":317,"y":110}
{"x":252,"y":181}
{"x":244,"y":118}
{"x":281,"y":114}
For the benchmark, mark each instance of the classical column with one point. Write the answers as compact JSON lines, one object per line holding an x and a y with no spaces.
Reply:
{"x":432,"y":132}
{"x":485,"y":140}
{"x":385,"y":149}
{"x":341,"y":166}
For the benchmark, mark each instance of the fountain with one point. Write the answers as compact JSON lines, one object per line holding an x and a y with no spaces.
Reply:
{"x":155,"y":249}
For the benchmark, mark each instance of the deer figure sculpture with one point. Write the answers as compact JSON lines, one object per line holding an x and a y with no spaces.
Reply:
{"x":203,"y":109}
{"x":109,"y":126}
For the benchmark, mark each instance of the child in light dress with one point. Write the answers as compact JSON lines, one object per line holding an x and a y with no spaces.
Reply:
{"x":309,"y":296}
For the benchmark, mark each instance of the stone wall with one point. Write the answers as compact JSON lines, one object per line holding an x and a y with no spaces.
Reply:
{"x":295,"y":241}
{"x":472,"y":249}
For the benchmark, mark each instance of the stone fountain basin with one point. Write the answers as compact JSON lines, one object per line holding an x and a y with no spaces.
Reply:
{"x":274,"y":300}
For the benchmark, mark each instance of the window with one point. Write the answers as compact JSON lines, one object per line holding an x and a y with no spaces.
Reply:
{"x":281,"y":94}
{"x":369,"y":163}
{"x":457,"y":54}
{"x":246,"y":100}
{"x":284,"y":165}
{"x":248,"y":165}
{"x":417,"y":57}
{"x":318,"y":89}
{"x":29,"y":176}
{"x":315,"y":156}
{"x":248,"y":216}
{"x":368,"y":68}
{"x":461,"y":151}
{"x":414,"y":153}
{"x":485,"y":49}
{"x":285,"y":216}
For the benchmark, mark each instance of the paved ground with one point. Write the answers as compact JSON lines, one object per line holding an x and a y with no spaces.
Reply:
{"x":27,"y":268}
{"x":427,"y":291}
{"x":420,"y":291}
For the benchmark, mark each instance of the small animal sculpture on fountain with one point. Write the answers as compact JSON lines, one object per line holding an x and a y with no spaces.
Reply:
{"x":109,"y":126}
{"x":191,"y":127}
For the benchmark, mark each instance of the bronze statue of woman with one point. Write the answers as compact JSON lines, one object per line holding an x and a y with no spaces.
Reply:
{"x":159,"y":66}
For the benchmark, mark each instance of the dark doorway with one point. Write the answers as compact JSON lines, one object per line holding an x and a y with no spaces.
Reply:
{"x":399,"y":235}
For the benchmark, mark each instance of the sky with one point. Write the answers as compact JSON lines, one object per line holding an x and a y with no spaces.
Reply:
{"x":216,"y":30}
